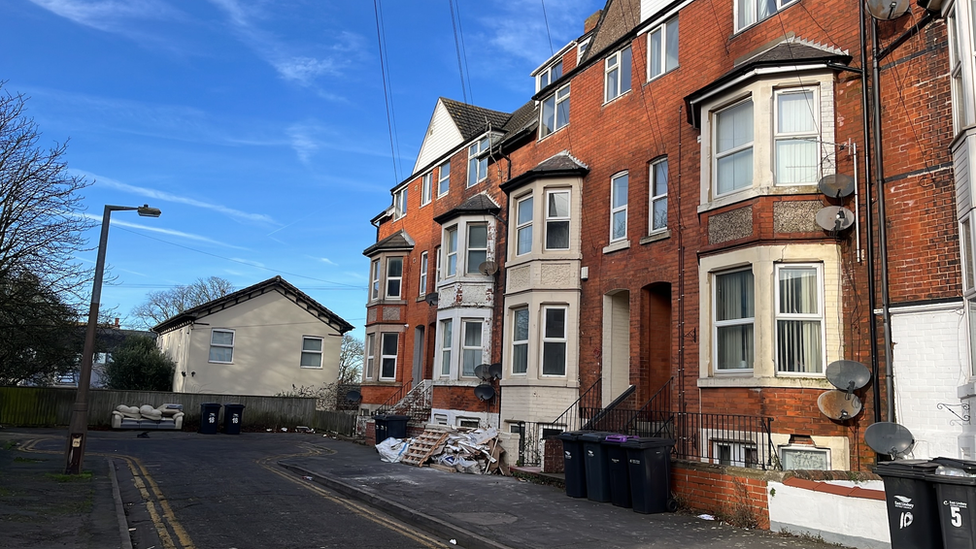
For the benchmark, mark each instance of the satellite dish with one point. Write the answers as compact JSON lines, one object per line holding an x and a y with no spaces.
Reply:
{"x":431,"y":298}
{"x":886,"y":10}
{"x":848,"y":375}
{"x":836,"y":185}
{"x":889,"y":438}
{"x":835,"y":218}
{"x":484,"y":392}
{"x":839,"y":405}
{"x":481,"y":372}
{"x":495,"y":371}
{"x":488,"y":268}
{"x":353,"y":396}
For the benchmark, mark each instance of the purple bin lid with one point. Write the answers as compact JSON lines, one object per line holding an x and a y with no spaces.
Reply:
{"x":619,"y":438}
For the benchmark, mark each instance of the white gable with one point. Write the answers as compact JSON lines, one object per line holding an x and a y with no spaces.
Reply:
{"x":442,"y":136}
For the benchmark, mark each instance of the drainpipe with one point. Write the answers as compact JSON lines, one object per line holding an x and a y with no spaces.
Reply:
{"x":681,"y":276}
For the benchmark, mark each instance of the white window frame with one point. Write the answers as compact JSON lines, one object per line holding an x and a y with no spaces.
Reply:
{"x":311,"y":352}
{"x":522,"y":343}
{"x":478,"y":167}
{"x":806,"y":317}
{"x":619,"y":209}
{"x":618,"y":65}
{"x":554,"y":102}
{"x":423,"y":274}
{"x":581,"y":49}
{"x":478,"y":350}
{"x":738,"y":453}
{"x":385,"y":357}
{"x":554,"y":339}
{"x":233,"y":341}
{"x":443,"y":179}
{"x":369,"y":370}
{"x":741,"y":321}
{"x":554,"y":219}
{"x":391,"y":279}
{"x":426,"y":188}
{"x":744,"y":20}
{"x":657,"y":196}
{"x":451,"y":251}
{"x":812,"y":136}
{"x":437,"y":268}
{"x":549,"y":75}
{"x":524,"y":204}
{"x":400,"y":202}
{"x":374,"y":281}
{"x":447,"y":343}
{"x":470,"y":267}
{"x":735,"y":149}
{"x":662,"y":33}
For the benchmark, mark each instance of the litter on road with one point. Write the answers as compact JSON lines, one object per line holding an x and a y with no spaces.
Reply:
{"x":473,"y":451}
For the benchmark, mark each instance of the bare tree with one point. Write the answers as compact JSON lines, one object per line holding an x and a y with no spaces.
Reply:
{"x":350,"y":359}
{"x":41,"y":221}
{"x":162,"y":305}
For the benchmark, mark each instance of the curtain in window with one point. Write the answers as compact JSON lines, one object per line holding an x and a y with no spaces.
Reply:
{"x":311,"y":352}
{"x":734,"y":131}
{"x":799,"y":341}
{"x":734,"y":313}
{"x":797,"y":160}
{"x":472,"y":348}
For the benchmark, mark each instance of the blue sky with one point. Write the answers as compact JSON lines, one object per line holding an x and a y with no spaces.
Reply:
{"x":258,"y":127}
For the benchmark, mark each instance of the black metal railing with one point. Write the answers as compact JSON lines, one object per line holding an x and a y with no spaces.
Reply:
{"x":396,"y":397}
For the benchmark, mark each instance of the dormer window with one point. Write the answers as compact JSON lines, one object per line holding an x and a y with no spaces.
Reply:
{"x":549,"y":75}
{"x":478,"y":164}
{"x":400,"y":203}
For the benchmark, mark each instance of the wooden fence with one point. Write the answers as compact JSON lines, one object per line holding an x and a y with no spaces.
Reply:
{"x":51,"y":407}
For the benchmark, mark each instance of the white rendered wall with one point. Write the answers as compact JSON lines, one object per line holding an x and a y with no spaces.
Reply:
{"x":930,"y":364}
{"x":849,"y":521}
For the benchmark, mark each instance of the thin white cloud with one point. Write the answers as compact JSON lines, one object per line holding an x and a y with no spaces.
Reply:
{"x":167,"y":232}
{"x":328,"y":261}
{"x":108,"y":15}
{"x":170,"y":197}
{"x":302,"y":141}
{"x":519,"y":28}
{"x":249,"y":262}
{"x":354,"y":275}
{"x":301,"y":67}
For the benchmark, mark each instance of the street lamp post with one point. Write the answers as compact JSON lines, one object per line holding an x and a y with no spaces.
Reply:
{"x":78,"y":427}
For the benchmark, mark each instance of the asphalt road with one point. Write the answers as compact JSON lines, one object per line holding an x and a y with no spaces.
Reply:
{"x":227,"y":492}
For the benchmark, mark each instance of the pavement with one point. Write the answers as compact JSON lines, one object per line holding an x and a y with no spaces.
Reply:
{"x":40,"y":508}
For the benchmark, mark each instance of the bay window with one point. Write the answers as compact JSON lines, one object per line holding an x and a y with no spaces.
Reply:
{"x":733,"y":147}
{"x":477,"y":247}
{"x":523,"y":226}
{"x":446,"y":341}
{"x":734,"y":315}
{"x":388,"y":355}
{"x":450,"y":250}
{"x":557,"y":220}
{"x":471,"y":349}
{"x":374,"y":282}
{"x":370,"y":356}
{"x":520,"y":341}
{"x":797,"y":147}
{"x":799,"y":319}
{"x":554,"y":341}
{"x":394,"y":275}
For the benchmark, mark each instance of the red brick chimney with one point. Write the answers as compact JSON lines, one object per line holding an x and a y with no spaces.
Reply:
{"x":591,"y":21}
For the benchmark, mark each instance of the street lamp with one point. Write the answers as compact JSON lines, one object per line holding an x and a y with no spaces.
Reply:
{"x":78,"y":427}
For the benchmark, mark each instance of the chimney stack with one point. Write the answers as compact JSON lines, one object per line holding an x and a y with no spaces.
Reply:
{"x":591,"y":21}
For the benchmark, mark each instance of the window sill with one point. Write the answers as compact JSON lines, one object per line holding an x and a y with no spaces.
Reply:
{"x":611,"y":100}
{"x":746,"y":380}
{"x":622,"y":244}
{"x":465,"y":382}
{"x":553,"y":132}
{"x":656,"y":237}
{"x":310,"y":367}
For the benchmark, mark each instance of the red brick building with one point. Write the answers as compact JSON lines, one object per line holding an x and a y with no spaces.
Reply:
{"x":644,"y":232}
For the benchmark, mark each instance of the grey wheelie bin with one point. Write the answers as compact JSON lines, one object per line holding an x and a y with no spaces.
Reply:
{"x":573,"y":466}
{"x":209,"y":416}
{"x":390,"y":426}
{"x":597,"y":466}
{"x":618,"y":470}
{"x":233,"y":417}
{"x":913,"y":512}
{"x":649,"y":462}
{"x":955,"y":488}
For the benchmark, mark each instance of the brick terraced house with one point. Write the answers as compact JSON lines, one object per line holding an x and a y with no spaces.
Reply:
{"x":638,"y":245}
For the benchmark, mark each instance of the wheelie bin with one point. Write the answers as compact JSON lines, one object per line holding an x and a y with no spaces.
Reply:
{"x":209,"y":415}
{"x":955,"y":488}
{"x":913,"y":512}
{"x":597,"y":466}
{"x":649,"y":465}
{"x":233,"y":418}
{"x":573,"y":465}
{"x":618,"y":470}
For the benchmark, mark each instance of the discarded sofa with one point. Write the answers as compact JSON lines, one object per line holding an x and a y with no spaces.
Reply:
{"x":145,"y":417}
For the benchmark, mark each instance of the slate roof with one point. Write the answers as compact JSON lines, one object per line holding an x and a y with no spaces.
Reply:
{"x":398,"y":241}
{"x":477,"y":204}
{"x":272,"y":284}
{"x":560,"y":164}
{"x":473,"y":121}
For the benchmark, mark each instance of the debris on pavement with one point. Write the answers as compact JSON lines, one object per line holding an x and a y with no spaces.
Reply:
{"x":473,"y":451}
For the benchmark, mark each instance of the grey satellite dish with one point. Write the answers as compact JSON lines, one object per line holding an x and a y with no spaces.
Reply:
{"x":481,"y":372}
{"x":431,"y":298}
{"x":839,"y":405}
{"x":848,"y":375}
{"x":484,"y":392}
{"x":836,"y":185}
{"x":495,"y":371}
{"x":887,"y":10}
{"x":889,"y":438}
{"x":835,"y":218}
{"x":353,"y":396}
{"x":488,"y":268}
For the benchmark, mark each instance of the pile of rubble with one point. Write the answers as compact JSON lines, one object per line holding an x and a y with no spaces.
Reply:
{"x":474,"y":451}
